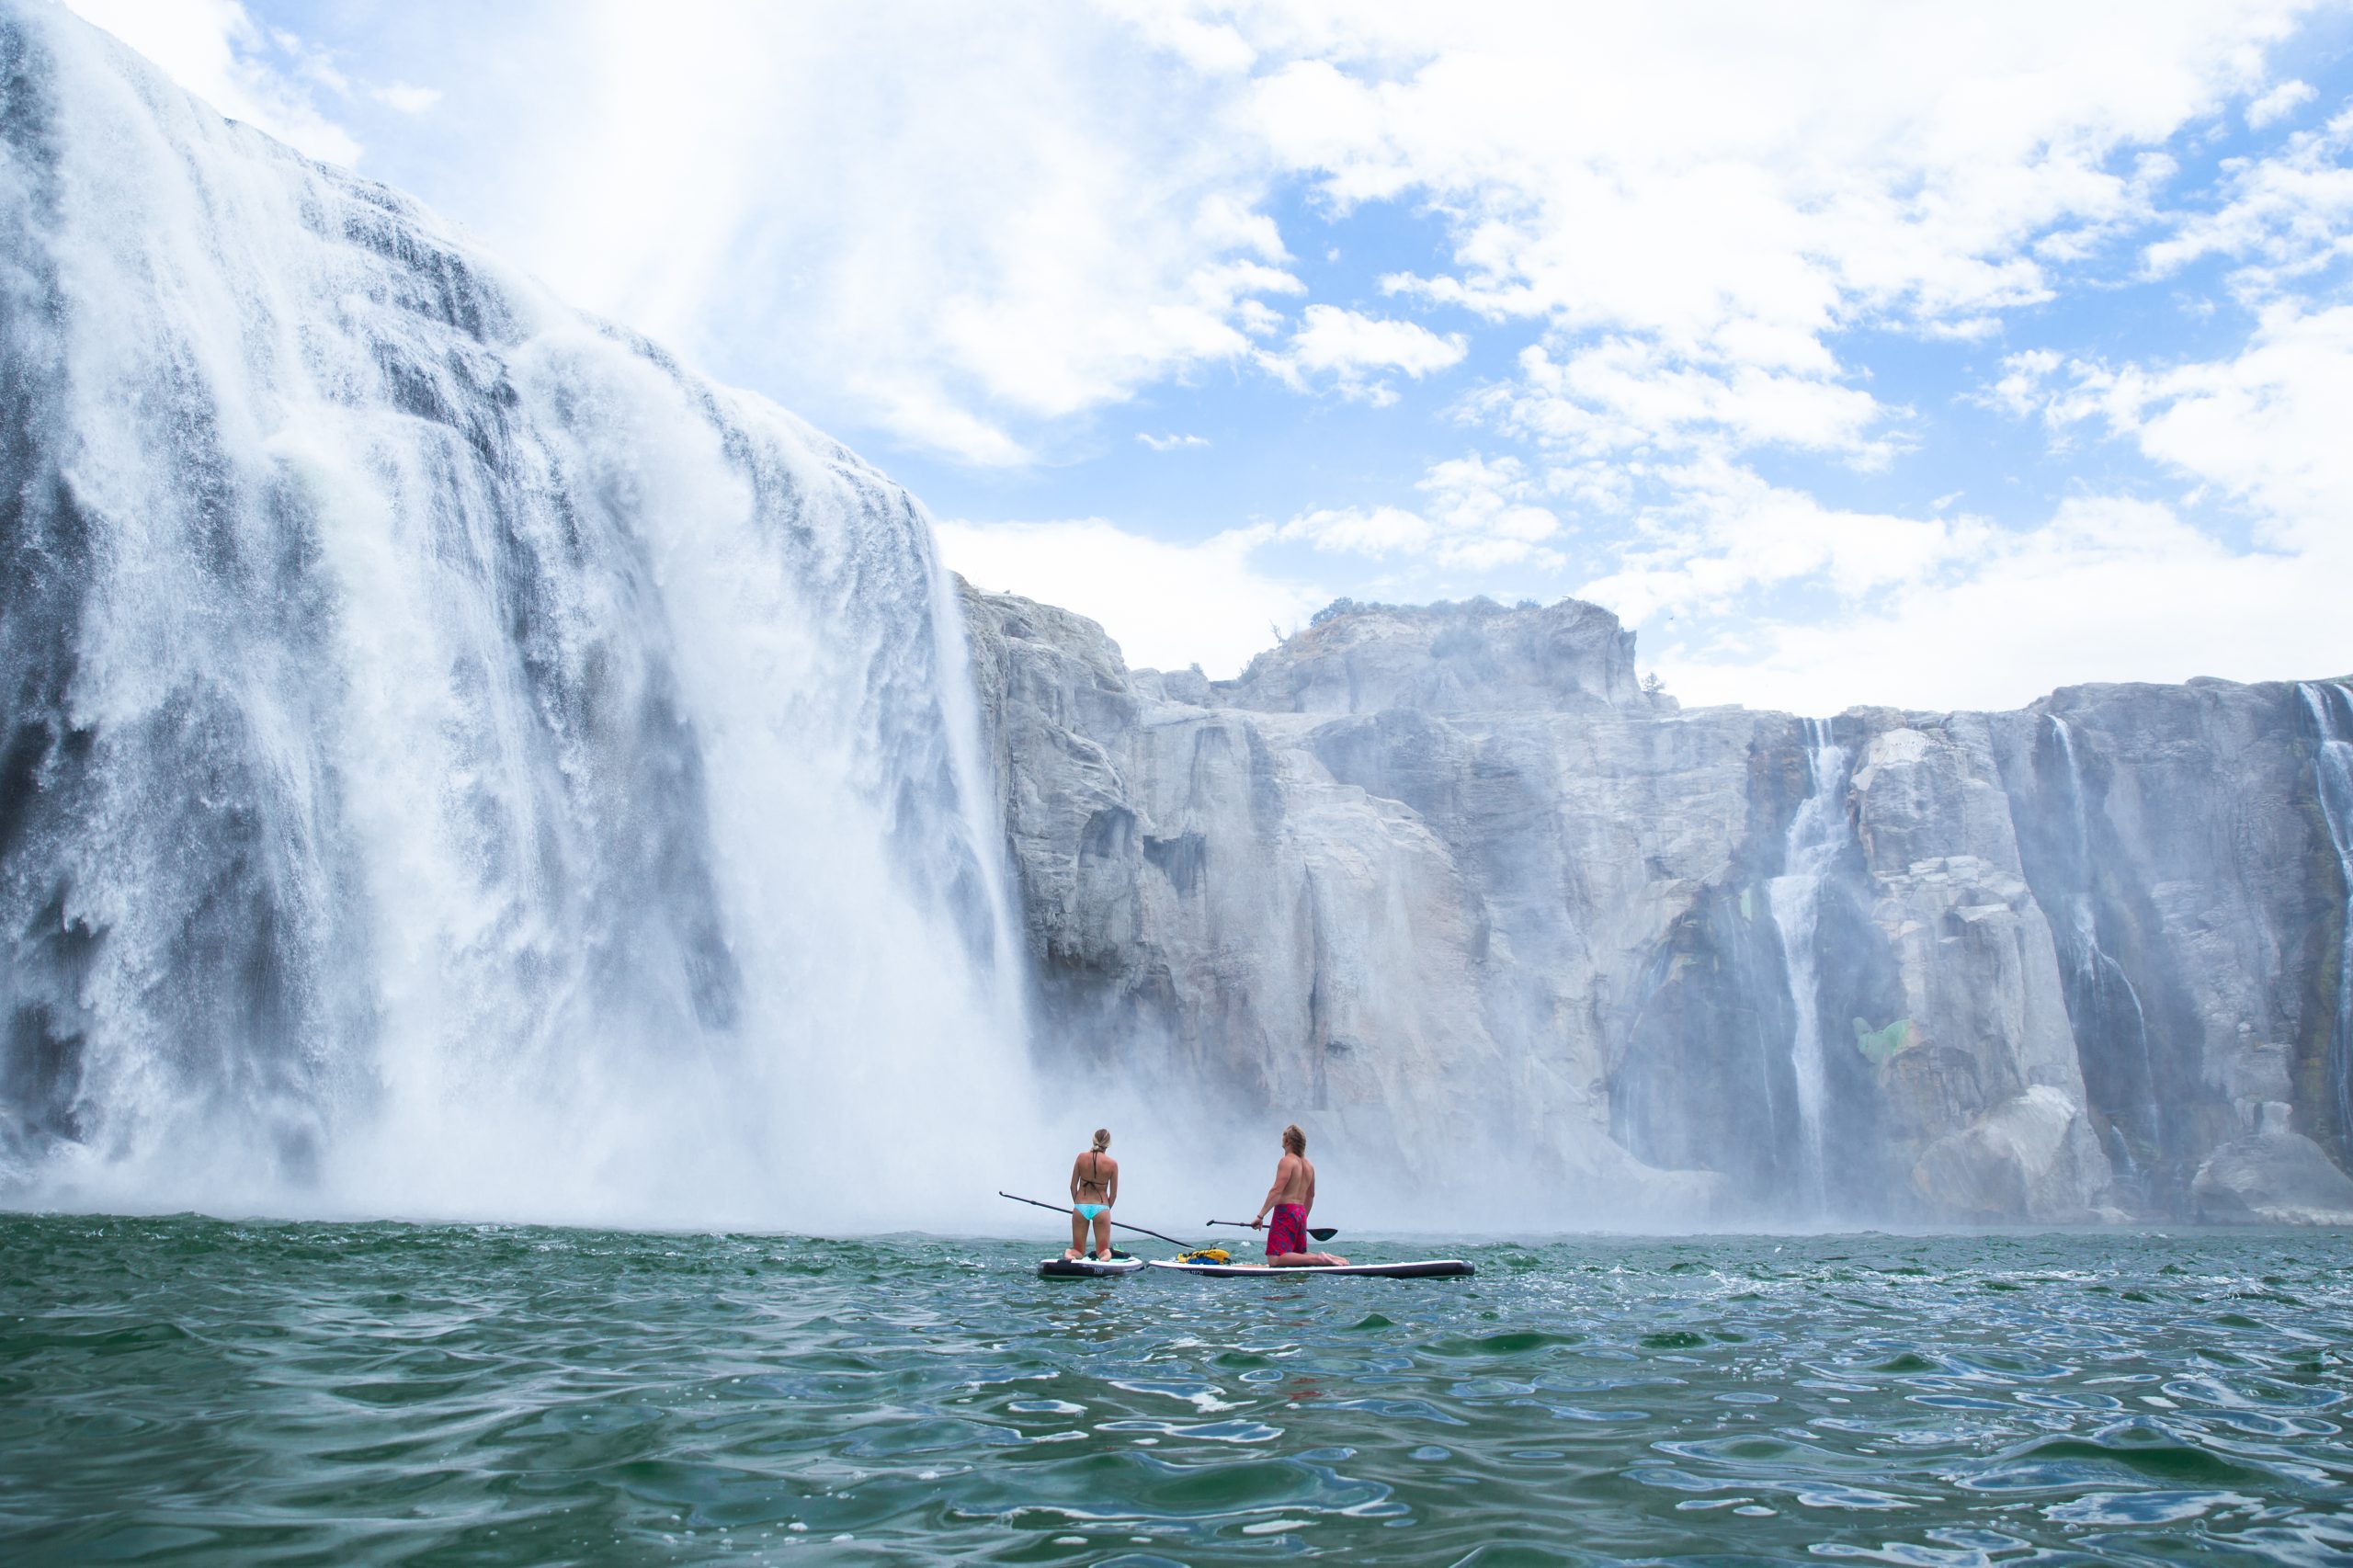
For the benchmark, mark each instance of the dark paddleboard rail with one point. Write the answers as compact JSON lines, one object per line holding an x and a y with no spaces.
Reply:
{"x":1421,"y":1269}
{"x":1088,"y":1269}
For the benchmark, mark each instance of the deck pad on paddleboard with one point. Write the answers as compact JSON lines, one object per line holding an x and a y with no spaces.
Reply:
{"x":1088,"y":1269}
{"x":1421,"y":1269}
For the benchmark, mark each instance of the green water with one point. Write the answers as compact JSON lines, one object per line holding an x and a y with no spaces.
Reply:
{"x":194,"y":1390}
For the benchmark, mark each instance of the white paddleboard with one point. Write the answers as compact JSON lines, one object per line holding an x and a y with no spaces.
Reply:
{"x":1420,"y":1268}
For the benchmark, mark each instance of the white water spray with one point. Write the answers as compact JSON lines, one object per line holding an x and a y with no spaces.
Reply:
{"x":1819,"y":833}
{"x":2331,"y":707}
{"x":460,"y":762}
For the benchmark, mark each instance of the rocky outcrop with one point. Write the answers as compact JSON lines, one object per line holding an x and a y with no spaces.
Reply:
{"x":1448,"y":878}
{"x":2029,"y":1155}
{"x":1445,"y":659}
{"x":2272,"y":1177}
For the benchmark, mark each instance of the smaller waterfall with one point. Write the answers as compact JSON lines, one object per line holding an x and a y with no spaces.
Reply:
{"x":1819,"y":833}
{"x":2331,"y":710}
{"x":2095,"y":979}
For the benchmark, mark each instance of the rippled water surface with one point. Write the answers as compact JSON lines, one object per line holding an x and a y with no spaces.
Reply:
{"x":185,"y":1388}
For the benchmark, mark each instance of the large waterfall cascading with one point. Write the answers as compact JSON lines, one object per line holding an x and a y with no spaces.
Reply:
{"x":455,"y":760}
{"x":1820,"y":832}
{"x":2095,"y":980}
{"x":2331,"y":708}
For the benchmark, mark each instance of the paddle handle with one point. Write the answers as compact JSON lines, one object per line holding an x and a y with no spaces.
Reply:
{"x":1065,"y":1209}
{"x":1321,"y":1232}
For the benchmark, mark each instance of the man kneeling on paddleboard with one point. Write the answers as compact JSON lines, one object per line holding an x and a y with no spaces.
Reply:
{"x":1290,"y":1198}
{"x":1094,"y":1187}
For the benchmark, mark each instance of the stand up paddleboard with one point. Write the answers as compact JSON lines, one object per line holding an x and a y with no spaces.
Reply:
{"x":1423,"y":1268}
{"x":1088,"y":1269}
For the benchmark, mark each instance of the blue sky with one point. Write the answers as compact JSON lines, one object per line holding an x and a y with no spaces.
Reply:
{"x":1920,"y":355}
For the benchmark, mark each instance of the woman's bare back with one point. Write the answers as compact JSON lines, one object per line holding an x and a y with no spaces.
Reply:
{"x":1094,"y":1172}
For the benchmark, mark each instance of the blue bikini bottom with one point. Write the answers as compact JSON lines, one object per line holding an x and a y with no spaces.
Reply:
{"x":1088,"y":1210}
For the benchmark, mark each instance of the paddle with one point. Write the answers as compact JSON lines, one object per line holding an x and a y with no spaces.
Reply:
{"x":1321,"y":1232}
{"x":1065,"y":1209}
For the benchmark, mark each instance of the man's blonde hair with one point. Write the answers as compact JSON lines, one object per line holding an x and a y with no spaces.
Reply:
{"x":1294,"y":1140}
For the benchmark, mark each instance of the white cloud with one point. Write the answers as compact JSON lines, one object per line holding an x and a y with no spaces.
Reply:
{"x":1626,"y":394}
{"x":962,"y":226}
{"x":2279,"y":103}
{"x":2289,"y":215}
{"x":2265,"y":427}
{"x":2111,"y":588}
{"x":1352,"y":348}
{"x":1362,"y":530}
{"x":1487,"y":512}
{"x":1727,"y":535}
{"x":213,"y":49}
{"x":1167,"y":606}
{"x":1209,"y":46}
{"x":1696,"y":211}
{"x":1480,"y":515}
{"x":972,"y":228}
{"x":1172,"y":441}
{"x":407,"y":99}
{"x":2024,"y":387}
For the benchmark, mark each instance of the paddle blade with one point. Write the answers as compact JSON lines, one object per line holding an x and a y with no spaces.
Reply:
{"x":1321,"y":1232}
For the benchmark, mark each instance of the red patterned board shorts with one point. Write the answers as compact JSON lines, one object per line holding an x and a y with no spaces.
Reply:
{"x":1287,"y":1232}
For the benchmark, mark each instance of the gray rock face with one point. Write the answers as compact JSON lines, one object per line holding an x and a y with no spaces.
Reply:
{"x":1446,"y":879}
{"x":2272,"y":1177}
{"x":1443,"y":659}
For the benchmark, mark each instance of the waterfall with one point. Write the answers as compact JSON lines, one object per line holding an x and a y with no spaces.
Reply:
{"x":2093,"y":978}
{"x":454,"y":760}
{"x":2331,"y":707}
{"x":1819,"y":833}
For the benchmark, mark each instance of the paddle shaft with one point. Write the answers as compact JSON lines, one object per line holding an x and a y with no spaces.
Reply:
{"x":1321,"y":1232}
{"x":1065,"y":1209}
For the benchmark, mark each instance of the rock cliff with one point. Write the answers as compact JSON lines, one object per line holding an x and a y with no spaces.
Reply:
{"x":1449,"y":885}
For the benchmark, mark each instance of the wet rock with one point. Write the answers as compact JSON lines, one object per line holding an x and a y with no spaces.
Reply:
{"x":2274,"y":1175}
{"x":2033,"y":1157}
{"x":1447,"y":877}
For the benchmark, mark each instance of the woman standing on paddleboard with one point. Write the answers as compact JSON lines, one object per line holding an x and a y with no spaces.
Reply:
{"x":1094,"y":1187}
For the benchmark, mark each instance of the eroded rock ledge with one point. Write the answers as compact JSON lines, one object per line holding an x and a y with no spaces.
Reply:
{"x":1448,"y":879}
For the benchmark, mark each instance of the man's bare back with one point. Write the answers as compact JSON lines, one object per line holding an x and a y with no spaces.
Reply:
{"x":1295,"y":1180}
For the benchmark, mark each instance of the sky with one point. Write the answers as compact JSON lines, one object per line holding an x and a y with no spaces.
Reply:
{"x":1925,"y":355}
